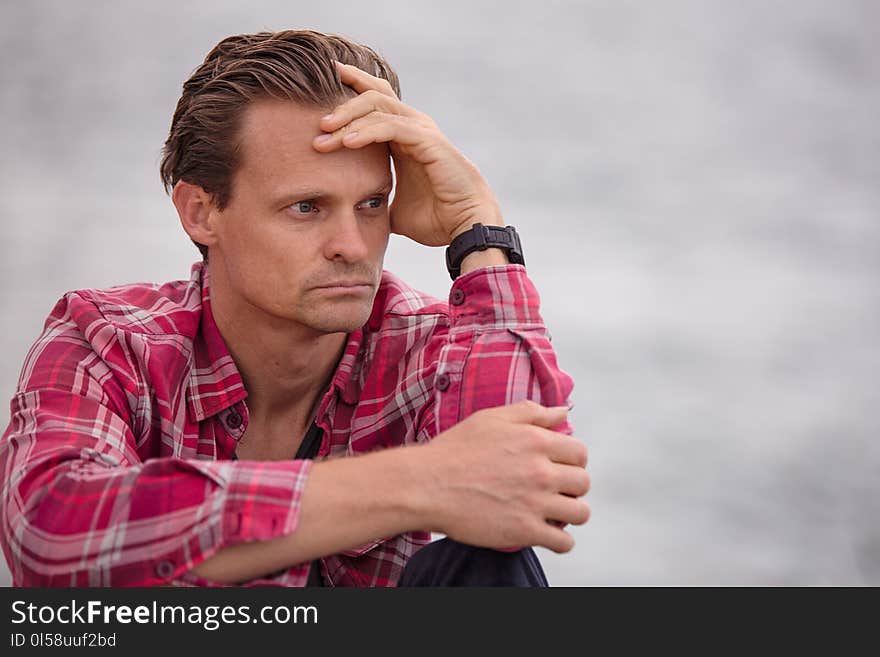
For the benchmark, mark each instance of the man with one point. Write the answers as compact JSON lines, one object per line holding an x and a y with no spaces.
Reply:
{"x":165,"y":434}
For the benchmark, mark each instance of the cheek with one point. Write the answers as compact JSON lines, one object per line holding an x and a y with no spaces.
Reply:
{"x":262,"y":242}
{"x":267,"y":265}
{"x":380,"y":231}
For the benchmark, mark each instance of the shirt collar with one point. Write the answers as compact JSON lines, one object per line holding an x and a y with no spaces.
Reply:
{"x":215,"y":383}
{"x":347,"y":380}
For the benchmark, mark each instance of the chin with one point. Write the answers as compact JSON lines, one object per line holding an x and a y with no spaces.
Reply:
{"x":341,"y":322}
{"x":335,"y":327}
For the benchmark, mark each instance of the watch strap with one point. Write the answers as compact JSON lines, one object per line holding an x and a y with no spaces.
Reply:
{"x":480,"y":238}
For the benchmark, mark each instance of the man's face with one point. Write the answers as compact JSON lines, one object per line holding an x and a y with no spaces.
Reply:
{"x":299,"y":221}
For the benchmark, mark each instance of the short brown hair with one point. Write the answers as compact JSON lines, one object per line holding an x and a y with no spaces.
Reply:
{"x":202,"y":146}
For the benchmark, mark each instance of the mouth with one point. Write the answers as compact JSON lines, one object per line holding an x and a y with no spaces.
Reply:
{"x":346,"y":286}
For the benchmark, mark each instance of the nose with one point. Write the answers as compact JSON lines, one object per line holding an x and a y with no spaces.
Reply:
{"x":346,"y":239}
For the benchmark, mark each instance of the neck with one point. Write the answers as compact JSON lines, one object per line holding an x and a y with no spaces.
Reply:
{"x":285,"y":366}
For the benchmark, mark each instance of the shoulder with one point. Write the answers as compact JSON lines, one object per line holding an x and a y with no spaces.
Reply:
{"x":104,"y":342}
{"x":120,"y":328}
{"x":148,"y":309}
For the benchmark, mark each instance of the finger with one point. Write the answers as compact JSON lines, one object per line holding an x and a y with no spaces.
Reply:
{"x":331,"y":141}
{"x":529,"y":412}
{"x":553,"y":538}
{"x":361,"y":81}
{"x":378,"y":128}
{"x":334,"y":140}
{"x":572,"y":480}
{"x":566,"y":449}
{"x":361,"y":105}
{"x":568,"y":509}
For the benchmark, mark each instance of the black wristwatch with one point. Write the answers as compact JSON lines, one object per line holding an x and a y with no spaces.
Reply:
{"x":480,"y":238}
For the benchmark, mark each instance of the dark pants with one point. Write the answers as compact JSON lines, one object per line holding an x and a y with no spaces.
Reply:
{"x":450,"y":563}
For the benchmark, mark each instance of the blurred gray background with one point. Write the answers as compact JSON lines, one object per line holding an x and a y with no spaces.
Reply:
{"x":696,"y":185}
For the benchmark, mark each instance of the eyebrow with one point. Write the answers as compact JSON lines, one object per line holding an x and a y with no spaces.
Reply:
{"x":313,"y":193}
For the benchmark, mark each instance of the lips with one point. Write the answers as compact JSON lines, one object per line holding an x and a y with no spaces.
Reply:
{"x":348,"y":284}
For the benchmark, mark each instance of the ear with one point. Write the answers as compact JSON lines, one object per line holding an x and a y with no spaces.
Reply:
{"x":197,"y":212}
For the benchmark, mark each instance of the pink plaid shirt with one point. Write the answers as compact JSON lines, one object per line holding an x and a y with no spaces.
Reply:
{"x":116,"y":466}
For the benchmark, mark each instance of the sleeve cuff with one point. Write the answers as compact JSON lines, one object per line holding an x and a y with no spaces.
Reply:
{"x":499,"y":296}
{"x":260,"y":501}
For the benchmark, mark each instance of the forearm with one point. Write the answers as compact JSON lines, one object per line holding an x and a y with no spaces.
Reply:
{"x":492,"y":480}
{"x":346,"y":502}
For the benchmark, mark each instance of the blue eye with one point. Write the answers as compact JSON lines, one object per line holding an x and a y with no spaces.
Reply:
{"x":379,"y":201}
{"x":299,"y":206}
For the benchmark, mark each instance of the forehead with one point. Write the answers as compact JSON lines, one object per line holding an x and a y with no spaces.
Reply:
{"x":275,"y":143}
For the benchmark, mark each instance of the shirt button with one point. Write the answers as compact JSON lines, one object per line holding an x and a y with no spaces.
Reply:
{"x":442,"y":382}
{"x":457,"y":297}
{"x":233,"y":420}
{"x":165,"y":569}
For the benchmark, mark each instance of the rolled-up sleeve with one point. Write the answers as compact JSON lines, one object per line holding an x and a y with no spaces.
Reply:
{"x":81,"y":508}
{"x":498,"y":350}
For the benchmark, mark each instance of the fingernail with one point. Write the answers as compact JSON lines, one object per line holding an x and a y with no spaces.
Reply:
{"x":323,"y":138}
{"x":350,"y":136}
{"x":327,"y":117}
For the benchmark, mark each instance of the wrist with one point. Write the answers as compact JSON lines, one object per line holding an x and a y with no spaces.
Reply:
{"x":423,"y":465}
{"x":413,"y":471}
{"x":488,"y":214}
{"x":486,"y":258}
{"x":483,"y":246}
